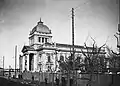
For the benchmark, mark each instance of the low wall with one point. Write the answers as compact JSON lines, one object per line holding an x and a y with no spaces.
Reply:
{"x":97,"y":79}
{"x":101,"y":80}
{"x":38,"y":76}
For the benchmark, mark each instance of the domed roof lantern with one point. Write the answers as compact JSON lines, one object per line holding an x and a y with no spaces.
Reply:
{"x":41,"y":28}
{"x":40,"y":22}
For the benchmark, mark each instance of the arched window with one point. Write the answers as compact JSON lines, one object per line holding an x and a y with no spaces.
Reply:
{"x":46,"y":40}
{"x":42,"y":40}
{"x":39,"y":39}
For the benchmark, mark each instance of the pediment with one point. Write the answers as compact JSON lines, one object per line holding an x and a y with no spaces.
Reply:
{"x":27,"y":48}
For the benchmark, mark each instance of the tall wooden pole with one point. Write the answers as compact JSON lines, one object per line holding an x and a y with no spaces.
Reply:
{"x":73,"y":37}
{"x":73,"y":50}
{"x":3,"y":65}
{"x":73,"y":31}
{"x":15,"y":59}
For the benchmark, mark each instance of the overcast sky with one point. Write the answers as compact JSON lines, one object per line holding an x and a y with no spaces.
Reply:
{"x":97,"y":18}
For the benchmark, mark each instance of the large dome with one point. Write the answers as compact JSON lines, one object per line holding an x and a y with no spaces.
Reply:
{"x":41,"y":28}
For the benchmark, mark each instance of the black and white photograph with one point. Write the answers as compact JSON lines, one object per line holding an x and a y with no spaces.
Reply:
{"x":59,"y":43}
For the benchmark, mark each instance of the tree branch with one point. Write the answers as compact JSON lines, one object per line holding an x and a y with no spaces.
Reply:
{"x":84,"y":53}
{"x":87,"y":50}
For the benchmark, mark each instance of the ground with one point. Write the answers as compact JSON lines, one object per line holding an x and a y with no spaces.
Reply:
{"x":16,"y":82}
{"x":7,"y":82}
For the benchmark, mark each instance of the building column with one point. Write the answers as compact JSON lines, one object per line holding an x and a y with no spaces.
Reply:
{"x":39,"y":62}
{"x":28,"y":62}
{"x":23,"y":62}
{"x":35,"y":62}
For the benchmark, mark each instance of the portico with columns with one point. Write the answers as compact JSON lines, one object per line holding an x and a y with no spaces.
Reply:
{"x":33,"y":55}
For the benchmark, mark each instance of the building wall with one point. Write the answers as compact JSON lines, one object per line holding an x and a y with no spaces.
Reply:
{"x":42,"y":57}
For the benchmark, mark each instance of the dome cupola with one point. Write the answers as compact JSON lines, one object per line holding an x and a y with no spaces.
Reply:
{"x":39,"y":35}
{"x":41,"y":28}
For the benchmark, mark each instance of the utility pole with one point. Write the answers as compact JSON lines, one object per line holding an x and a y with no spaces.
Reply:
{"x":73,"y":36}
{"x":15,"y":59}
{"x":73,"y":50}
{"x":72,"y":54}
{"x":3,"y":65}
{"x":73,"y":31}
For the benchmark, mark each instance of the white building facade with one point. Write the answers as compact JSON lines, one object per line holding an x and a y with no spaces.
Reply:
{"x":42,"y":54}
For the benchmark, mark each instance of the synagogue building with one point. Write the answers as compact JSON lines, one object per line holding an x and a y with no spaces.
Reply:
{"x":42,"y":54}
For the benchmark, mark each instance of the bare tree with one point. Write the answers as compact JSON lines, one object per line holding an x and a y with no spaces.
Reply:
{"x":66,"y":66}
{"x":94,"y":59}
{"x":114,"y":60}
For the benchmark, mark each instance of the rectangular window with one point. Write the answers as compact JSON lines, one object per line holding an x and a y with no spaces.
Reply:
{"x":45,"y":40}
{"x":42,"y":40}
{"x":39,"y":39}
